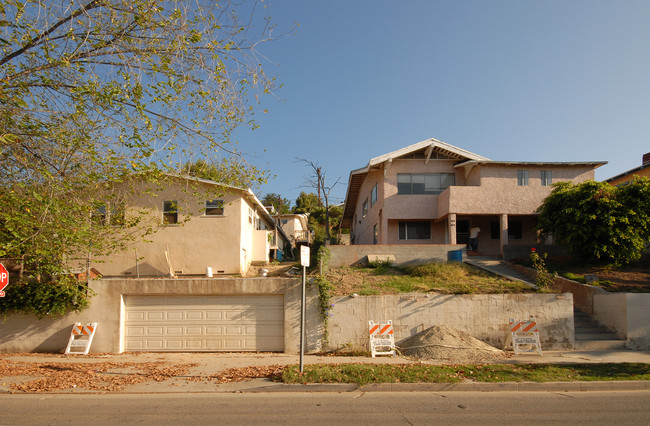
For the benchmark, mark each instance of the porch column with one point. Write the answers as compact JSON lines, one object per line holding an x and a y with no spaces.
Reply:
{"x":451,"y":226}
{"x":503,"y":226}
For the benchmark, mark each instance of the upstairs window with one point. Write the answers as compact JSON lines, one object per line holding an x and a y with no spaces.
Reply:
{"x":373,"y":195}
{"x":98,"y":214}
{"x":424,"y":183}
{"x":214,"y":208}
{"x":102,"y":215}
{"x":364,"y":209}
{"x":117,"y":215}
{"x":170,"y":212}
{"x":522,"y":177}
{"x":546,"y":176}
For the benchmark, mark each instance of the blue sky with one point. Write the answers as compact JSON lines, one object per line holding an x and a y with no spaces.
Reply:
{"x":510,"y":80}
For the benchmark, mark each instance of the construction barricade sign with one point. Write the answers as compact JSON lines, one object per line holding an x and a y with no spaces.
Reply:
{"x":525,"y":336}
{"x":81,"y":338}
{"x":382,"y":339}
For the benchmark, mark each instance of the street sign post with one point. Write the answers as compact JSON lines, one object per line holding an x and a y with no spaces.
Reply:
{"x":304,"y":261}
{"x":4,"y":279}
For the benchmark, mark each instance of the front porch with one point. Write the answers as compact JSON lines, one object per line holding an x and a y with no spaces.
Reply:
{"x":498,"y":232}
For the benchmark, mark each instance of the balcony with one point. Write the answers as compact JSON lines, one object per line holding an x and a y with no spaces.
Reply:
{"x":493,"y":199}
{"x":302,"y":236}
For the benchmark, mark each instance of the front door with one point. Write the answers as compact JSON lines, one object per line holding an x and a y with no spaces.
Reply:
{"x":462,"y":231}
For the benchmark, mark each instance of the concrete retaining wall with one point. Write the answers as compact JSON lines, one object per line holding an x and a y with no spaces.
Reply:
{"x":583,"y":294}
{"x":626,"y":314}
{"x":21,"y":333}
{"x":405,"y":254}
{"x":485,"y":317}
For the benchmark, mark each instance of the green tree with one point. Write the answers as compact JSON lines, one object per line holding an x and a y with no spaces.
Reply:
{"x":233,"y":171}
{"x":306,"y":203}
{"x":281,"y":205}
{"x":93,"y":91}
{"x":598,"y":222}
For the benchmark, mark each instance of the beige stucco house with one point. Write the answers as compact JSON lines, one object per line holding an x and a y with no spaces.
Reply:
{"x":295,"y":227}
{"x":642,"y":171}
{"x":435,"y":193}
{"x":198,"y":227}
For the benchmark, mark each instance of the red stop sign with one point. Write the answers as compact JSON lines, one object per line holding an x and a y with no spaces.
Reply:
{"x":4,"y":279}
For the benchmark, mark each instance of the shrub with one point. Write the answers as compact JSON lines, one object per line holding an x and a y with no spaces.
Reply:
{"x":543,"y":278}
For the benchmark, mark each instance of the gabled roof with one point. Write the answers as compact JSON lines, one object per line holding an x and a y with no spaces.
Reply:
{"x":629,"y":172}
{"x":301,"y":217}
{"x":246,"y":193}
{"x":430,"y":146}
{"x":429,"y":149}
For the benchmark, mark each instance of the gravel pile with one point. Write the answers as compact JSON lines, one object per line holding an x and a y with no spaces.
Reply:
{"x":449,"y":345}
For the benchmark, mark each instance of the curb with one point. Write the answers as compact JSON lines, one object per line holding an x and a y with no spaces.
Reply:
{"x":509,"y":387}
{"x":600,"y":386}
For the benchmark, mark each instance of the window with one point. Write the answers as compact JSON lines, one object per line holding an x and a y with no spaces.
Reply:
{"x":214,"y":208}
{"x":103,"y":215}
{"x":251,"y":215}
{"x":424,"y":183}
{"x":374,"y":234}
{"x":515,"y":230}
{"x":373,"y":195}
{"x":98,"y":214}
{"x":546,"y":177}
{"x":118,"y":214}
{"x":170,"y":212}
{"x":522,"y":177}
{"x":364,"y":210}
{"x":415,"y":230}
{"x":495,"y":232}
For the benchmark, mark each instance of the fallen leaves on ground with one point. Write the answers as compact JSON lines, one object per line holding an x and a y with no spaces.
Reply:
{"x":242,"y":374}
{"x":99,"y":376}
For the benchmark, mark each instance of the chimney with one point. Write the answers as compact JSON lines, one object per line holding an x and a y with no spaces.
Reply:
{"x":646,"y":158}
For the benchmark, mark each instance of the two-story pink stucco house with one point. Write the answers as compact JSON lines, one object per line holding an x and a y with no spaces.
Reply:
{"x":435,"y":193}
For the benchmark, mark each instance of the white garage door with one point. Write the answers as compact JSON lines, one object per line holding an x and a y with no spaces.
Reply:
{"x":204,"y":323}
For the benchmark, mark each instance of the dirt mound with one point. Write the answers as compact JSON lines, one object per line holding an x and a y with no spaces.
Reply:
{"x":449,"y":345}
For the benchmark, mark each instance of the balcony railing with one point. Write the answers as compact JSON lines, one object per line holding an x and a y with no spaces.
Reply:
{"x":302,"y":236}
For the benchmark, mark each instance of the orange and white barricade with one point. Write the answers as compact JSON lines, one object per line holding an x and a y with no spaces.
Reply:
{"x":382,"y":339}
{"x":525,"y":336}
{"x":80,"y":338}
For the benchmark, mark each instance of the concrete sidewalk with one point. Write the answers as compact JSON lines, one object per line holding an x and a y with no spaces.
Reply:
{"x":208,"y":364}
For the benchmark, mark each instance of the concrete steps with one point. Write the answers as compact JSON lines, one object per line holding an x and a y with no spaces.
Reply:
{"x":590,"y":335}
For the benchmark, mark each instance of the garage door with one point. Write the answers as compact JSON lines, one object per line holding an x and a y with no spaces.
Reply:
{"x":204,"y":323}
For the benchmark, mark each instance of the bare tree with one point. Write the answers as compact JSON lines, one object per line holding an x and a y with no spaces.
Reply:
{"x":318,"y":181}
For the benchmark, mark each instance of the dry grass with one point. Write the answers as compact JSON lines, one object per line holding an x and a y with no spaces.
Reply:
{"x":446,"y":278}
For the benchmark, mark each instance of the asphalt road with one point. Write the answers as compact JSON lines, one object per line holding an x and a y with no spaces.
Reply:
{"x":315,"y":408}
